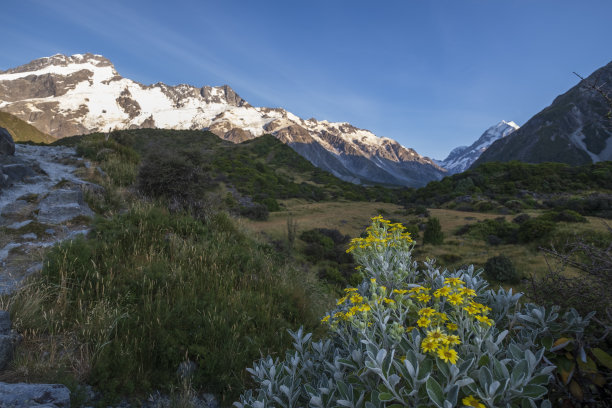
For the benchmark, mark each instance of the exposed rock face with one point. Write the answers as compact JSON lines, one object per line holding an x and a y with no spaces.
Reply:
{"x":461,"y":158}
{"x":8,"y":339}
{"x":23,"y":395}
{"x":574,"y":129}
{"x":7,"y":145}
{"x":69,"y":95}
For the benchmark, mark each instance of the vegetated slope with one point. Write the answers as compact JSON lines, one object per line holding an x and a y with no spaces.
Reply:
{"x":153,"y":287}
{"x":71,"y":95}
{"x":515,"y":186}
{"x":263,"y":169}
{"x":23,"y":131}
{"x":574,"y":129}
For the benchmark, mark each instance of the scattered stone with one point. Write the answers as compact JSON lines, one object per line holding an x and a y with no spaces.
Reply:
{"x":50,"y":231}
{"x":7,"y":145}
{"x":62,"y":205}
{"x":4,"y":252}
{"x":23,"y":395}
{"x":37,"y":267}
{"x":18,"y":208}
{"x":17,"y":225}
{"x":29,"y":235}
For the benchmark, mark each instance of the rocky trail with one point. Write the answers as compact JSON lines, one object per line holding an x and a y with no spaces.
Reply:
{"x":41,"y":203}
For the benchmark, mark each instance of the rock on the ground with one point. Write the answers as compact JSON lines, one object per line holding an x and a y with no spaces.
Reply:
{"x":8,"y":340}
{"x":23,"y":395}
{"x":7,"y":145}
{"x":62,"y":205}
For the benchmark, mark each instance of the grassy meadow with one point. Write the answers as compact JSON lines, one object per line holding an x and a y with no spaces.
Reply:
{"x":204,"y":254}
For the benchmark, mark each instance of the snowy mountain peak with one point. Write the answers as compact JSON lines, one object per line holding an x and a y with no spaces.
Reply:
{"x":462,"y":157}
{"x":69,"y":95}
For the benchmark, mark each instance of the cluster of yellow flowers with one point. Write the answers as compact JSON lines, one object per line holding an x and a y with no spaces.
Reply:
{"x":382,"y":233}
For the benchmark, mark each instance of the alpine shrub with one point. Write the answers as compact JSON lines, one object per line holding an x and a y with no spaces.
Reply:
{"x":501,"y":269}
{"x":433,"y":232}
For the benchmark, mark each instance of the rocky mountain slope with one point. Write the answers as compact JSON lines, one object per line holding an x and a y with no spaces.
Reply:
{"x":574,"y":129}
{"x":69,"y":95}
{"x":462,"y":157}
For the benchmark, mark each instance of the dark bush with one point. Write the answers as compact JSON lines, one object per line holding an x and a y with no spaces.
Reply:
{"x":257,"y":212}
{"x":501,"y":269}
{"x":173,"y":175}
{"x":535,"y":229}
{"x":433,"y":232}
{"x":464,"y":229}
{"x":521,"y":218}
{"x":494,"y":240}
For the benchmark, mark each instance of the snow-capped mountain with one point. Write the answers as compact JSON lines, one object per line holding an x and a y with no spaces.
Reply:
{"x":462,"y":157}
{"x":69,"y":95}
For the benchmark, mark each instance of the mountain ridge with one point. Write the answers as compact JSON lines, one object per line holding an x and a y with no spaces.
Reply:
{"x":69,"y":95}
{"x":573,"y":129}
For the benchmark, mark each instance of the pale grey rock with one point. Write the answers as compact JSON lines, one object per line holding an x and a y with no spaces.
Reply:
{"x":23,"y":395}
{"x":62,"y":205}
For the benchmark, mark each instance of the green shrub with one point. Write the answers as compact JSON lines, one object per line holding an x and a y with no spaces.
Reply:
{"x":409,"y":336}
{"x":535,"y":229}
{"x":500,"y":268}
{"x":433,"y":232}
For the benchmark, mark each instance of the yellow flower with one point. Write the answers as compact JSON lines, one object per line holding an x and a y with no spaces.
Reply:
{"x":400,"y":291}
{"x":341,"y":300}
{"x":471,"y":401}
{"x":471,"y":310}
{"x":355,"y":298}
{"x":435,"y":334}
{"x":453,"y":339}
{"x":410,"y":328}
{"x":338,"y":315}
{"x":365,"y":308}
{"x":350,"y":290}
{"x":423,"y":297}
{"x":418,"y":289}
{"x":453,"y":281}
{"x":467,"y":292}
{"x":325,"y":319}
{"x":443,"y":291}
{"x":387,"y":300}
{"x":442,"y":317}
{"x":429,"y":344}
{"x":423,"y":322}
{"x":448,"y":355}
{"x":451,"y":326}
{"x":427,"y":312}
{"x":455,"y":299}
{"x":484,"y":319}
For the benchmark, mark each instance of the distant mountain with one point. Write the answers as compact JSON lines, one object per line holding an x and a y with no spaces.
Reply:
{"x":462,"y":157}
{"x":70,"y":95}
{"x":574,"y":129}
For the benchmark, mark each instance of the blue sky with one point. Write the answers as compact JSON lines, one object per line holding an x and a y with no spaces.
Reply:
{"x":432,"y":75}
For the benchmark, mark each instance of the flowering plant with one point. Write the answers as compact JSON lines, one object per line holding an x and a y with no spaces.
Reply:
{"x":408,"y":336}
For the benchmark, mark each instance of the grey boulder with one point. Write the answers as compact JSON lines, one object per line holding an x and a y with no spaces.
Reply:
{"x":7,"y":145}
{"x":62,"y":205}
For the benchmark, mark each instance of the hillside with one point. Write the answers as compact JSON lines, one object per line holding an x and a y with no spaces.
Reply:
{"x":257,"y":172}
{"x":23,"y":131}
{"x":574,"y":129}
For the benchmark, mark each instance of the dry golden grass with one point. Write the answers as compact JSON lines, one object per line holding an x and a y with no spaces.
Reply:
{"x":353,"y":217}
{"x":348,"y":217}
